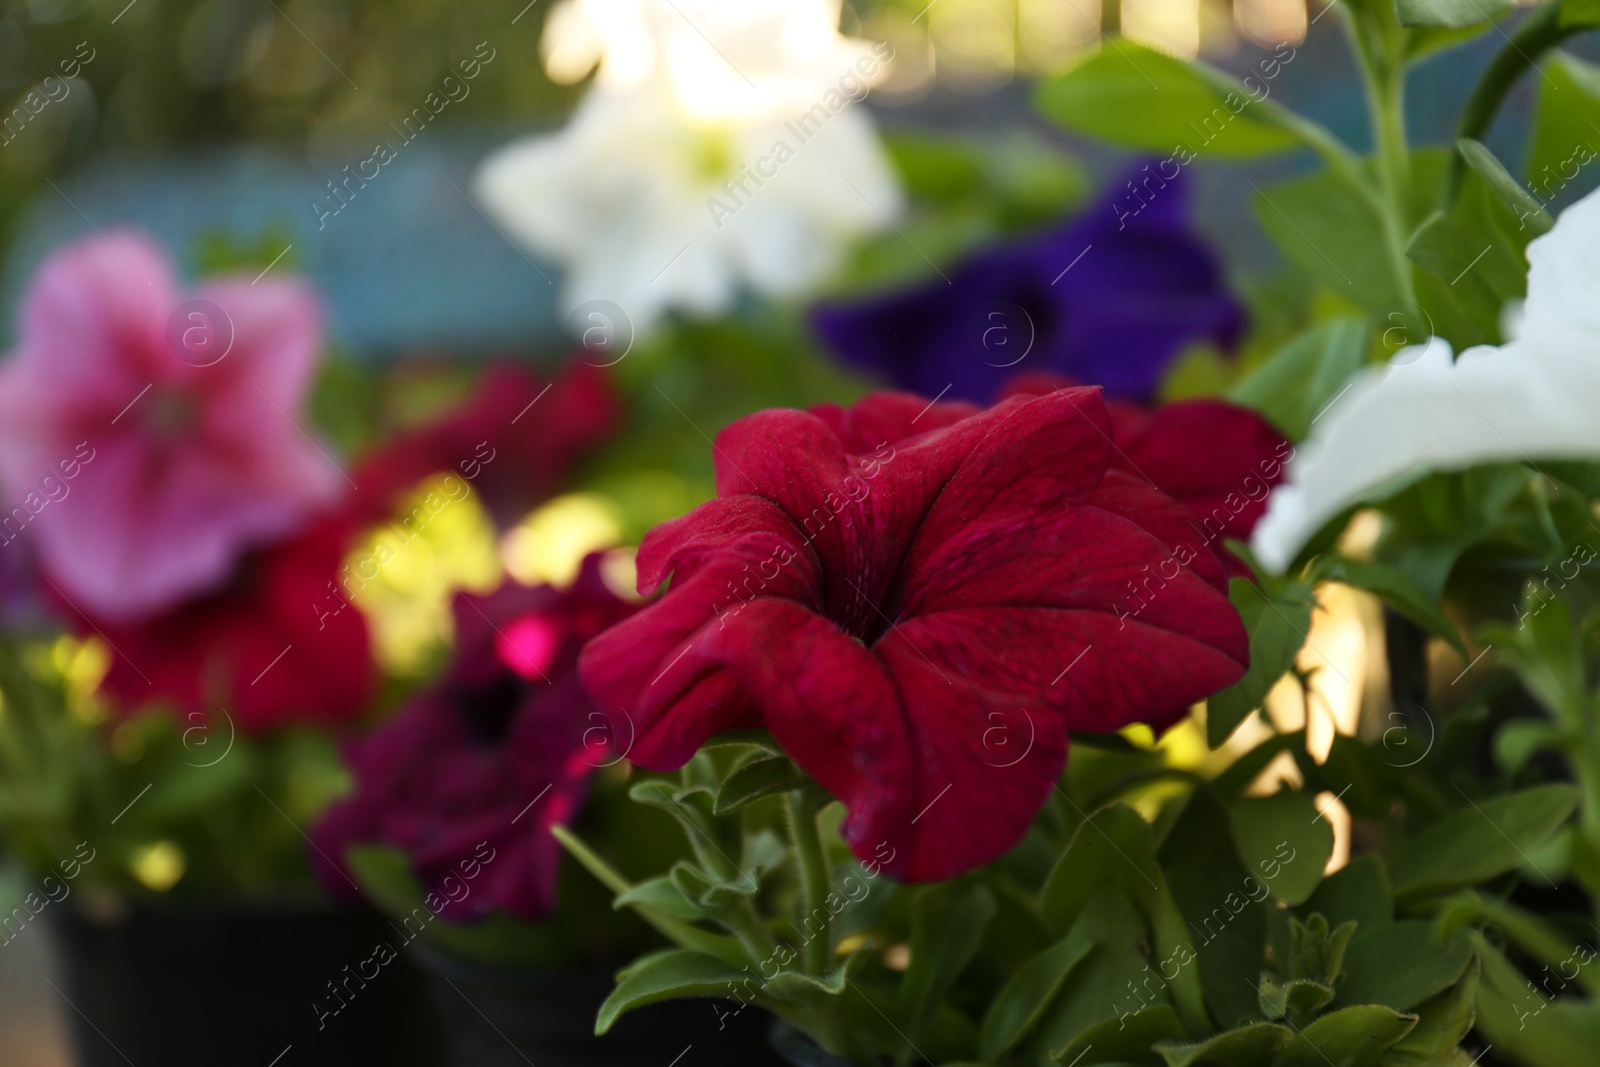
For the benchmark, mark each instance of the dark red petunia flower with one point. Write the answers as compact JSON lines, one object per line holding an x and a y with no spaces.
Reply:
{"x":268,"y":648}
{"x":493,"y":755}
{"x":515,"y":440}
{"x":909,"y":595}
{"x":1217,"y":459}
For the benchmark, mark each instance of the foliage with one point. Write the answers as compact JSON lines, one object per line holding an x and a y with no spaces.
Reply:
{"x":163,"y":804}
{"x":1206,"y":935}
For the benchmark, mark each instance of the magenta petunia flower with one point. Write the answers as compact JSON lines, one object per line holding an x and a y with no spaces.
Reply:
{"x":491,"y":757}
{"x":148,"y":436}
{"x":1217,"y":459}
{"x":919,"y":602}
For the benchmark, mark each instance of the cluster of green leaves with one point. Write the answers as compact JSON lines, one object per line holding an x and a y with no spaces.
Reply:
{"x":1207,"y":934}
{"x":1404,"y":243}
{"x":1540,"y":1001}
{"x":169,"y":807}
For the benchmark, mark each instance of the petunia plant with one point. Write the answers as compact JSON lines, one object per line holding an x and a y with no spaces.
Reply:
{"x":878,"y":641}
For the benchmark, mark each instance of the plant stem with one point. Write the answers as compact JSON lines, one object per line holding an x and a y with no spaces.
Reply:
{"x":1378,"y":42}
{"x":679,"y":933}
{"x":814,"y":879}
{"x":752,"y":933}
{"x":1537,"y":34}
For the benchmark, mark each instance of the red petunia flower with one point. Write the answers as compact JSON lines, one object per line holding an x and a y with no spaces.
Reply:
{"x":516,"y":440}
{"x":270,"y":647}
{"x":907,"y":596}
{"x":1217,"y":459}
{"x":494,"y":755}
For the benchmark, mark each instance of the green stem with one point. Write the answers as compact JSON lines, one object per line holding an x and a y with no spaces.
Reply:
{"x":751,"y":932}
{"x":1378,"y":42}
{"x":814,"y":879}
{"x":738,"y":953}
{"x":1538,"y":33}
{"x":1529,"y":932}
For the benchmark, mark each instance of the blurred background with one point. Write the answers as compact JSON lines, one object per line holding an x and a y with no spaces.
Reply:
{"x":220,"y":122}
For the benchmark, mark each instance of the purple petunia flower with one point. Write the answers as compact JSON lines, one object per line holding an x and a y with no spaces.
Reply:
{"x":1109,"y":297}
{"x":481,"y":765}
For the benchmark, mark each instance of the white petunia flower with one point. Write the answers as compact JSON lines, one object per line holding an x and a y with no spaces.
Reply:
{"x":720,"y":59}
{"x":718,"y":149}
{"x":1532,"y":398}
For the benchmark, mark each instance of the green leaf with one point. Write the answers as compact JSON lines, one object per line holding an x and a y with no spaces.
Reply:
{"x":1565,"y":139}
{"x":1114,"y":979}
{"x":1022,"y":1001}
{"x":1580,"y":12}
{"x":1582,"y":475}
{"x":1336,"y":234}
{"x":661,"y":895}
{"x":1444,"y":1020}
{"x":1358,"y":892}
{"x":1113,"y":847}
{"x":1294,"y":998}
{"x":667,"y":975}
{"x":1520,"y":740}
{"x":1277,"y":626}
{"x":1451,"y":14}
{"x":1401,"y":965}
{"x":1527,"y":1026}
{"x":1296,"y":384}
{"x":692,"y":808}
{"x":1131,"y":95}
{"x":1350,"y":1037}
{"x":711,"y":895}
{"x":1397,"y":589}
{"x":757,"y":780}
{"x":1424,"y":41}
{"x":939,"y":169}
{"x":796,"y":988}
{"x":1284,"y":834}
{"x":1473,"y":256}
{"x":947,"y":924}
{"x":1128,"y":1039}
{"x":1222,"y":903}
{"x":1523,"y":204}
{"x":1248,"y":1046}
{"x":1481,"y":841}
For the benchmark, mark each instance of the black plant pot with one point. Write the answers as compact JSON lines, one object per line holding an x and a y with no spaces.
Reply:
{"x":244,"y":985}
{"x":505,"y":1017}
{"x":798,"y":1050}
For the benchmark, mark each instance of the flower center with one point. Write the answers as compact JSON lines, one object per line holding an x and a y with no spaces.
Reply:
{"x":170,"y":413}
{"x":711,"y":155}
{"x":489,"y":709}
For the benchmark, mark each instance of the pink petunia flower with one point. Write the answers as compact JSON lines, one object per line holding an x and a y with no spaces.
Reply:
{"x":177,"y":413}
{"x":494,"y":755}
{"x":919,"y":602}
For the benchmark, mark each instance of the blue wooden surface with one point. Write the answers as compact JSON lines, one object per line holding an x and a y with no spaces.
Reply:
{"x":408,"y":262}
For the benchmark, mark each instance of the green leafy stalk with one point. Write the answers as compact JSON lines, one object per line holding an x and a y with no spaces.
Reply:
{"x":1379,"y":44}
{"x":814,"y":878}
